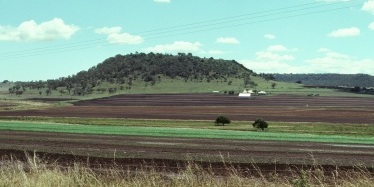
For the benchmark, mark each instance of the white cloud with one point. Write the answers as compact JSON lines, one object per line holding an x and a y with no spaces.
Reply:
{"x":108,"y":30}
{"x":227,"y":40}
{"x":334,"y":62}
{"x":323,"y":50}
{"x":178,"y":46}
{"x":368,"y":6}
{"x":116,"y":37}
{"x":277,"y":48}
{"x":161,"y":1}
{"x":31,"y":31}
{"x":270,"y":36}
{"x":345,"y":32}
{"x":270,"y":60}
{"x":371,"y":26}
{"x":329,"y":62}
{"x":124,"y":38}
{"x":268,"y":55}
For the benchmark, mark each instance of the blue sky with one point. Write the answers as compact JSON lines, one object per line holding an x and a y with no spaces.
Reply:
{"x":45,"y":39}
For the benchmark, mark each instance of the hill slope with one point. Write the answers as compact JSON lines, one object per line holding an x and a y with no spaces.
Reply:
{"x":133,"y":72}
{"x":149,"y":65}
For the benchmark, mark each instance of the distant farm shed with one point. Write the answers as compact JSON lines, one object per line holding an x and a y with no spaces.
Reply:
{"x":245,"y":94}
{"x":262,"y":93}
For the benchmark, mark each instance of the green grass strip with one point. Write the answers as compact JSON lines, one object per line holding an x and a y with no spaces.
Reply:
{"x":179,"y":132}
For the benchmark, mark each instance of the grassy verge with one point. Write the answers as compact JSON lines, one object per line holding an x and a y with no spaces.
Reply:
{"x":352,"y":130}
{"x":179,"y":132}
{"x":34,"y":172}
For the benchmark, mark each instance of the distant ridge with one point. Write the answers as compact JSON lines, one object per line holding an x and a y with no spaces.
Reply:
{"x":348,"y":80}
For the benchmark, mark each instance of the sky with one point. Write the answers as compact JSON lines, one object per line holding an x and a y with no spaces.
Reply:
{"x":49,"y":39}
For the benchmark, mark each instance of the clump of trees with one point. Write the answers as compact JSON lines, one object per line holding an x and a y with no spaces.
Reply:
{"x":222,"y":120}
{"x":260,"y":124}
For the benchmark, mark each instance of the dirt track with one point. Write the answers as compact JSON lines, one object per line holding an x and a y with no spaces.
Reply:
{"x":208,"y":106}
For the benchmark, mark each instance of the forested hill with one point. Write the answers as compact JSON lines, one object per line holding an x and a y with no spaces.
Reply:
{"x":128,"y":71}
{"x":350,"y":80}
{"x":149,"y":67}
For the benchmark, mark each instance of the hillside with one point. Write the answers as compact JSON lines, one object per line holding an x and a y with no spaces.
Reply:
{"x":145,"y":73}
{"x":149,"y":67}
{"x":348,"y":80}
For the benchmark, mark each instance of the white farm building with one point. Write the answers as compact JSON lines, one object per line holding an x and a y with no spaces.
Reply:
{"x":245,"y":94}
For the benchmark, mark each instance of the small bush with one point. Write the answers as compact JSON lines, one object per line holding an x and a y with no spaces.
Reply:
{"x":231,"y":92}
{"x":222,"y":120}
{"x":260,"y":124}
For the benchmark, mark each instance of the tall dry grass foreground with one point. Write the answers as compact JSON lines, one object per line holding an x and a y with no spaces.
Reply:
{"x":35,"y":173}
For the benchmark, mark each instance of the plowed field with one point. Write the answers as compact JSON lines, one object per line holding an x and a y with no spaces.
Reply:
{"x":200,"y":107}
{"x":179,"y":149}
{"x":208,"y":106}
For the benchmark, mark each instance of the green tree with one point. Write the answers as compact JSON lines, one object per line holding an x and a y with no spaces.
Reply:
{"x":222,"y":120}
{"x":273,"y":85}
{"x":48,"y":92}
{"x":260,"y":124}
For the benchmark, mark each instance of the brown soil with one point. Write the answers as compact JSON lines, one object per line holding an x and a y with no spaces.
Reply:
{"x":133,"y":150}
{"x":208,"y":106}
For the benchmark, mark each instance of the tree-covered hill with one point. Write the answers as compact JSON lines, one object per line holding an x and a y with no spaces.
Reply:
{"x":148,"y":67}
{"x":348,"y":80}
{"x":126,"y":72}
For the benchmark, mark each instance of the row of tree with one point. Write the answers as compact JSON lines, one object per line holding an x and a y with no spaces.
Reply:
{"x":258,"y":123}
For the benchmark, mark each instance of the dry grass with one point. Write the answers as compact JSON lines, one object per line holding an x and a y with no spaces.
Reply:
{"x":34,"y":172}
{"x":9,"y":105}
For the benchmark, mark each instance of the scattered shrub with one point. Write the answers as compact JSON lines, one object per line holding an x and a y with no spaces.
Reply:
{"x":260,"y":124}
{"x":222,"y":120}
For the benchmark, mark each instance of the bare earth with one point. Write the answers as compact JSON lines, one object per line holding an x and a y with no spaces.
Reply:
{"x":208,"y":106}
{"x":126,"y":149}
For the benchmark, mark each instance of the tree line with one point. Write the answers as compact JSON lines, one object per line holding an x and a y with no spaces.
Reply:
{"x":328,"y":79}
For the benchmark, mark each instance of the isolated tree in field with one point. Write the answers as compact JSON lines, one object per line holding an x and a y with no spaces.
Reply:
{"x":273,"y":85}
{"x":48,"y":92}
{"x":222,"y":120}
{"x":260,"y":124}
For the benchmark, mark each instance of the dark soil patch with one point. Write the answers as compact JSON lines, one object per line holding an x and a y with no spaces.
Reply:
{"x":172,"y":154}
